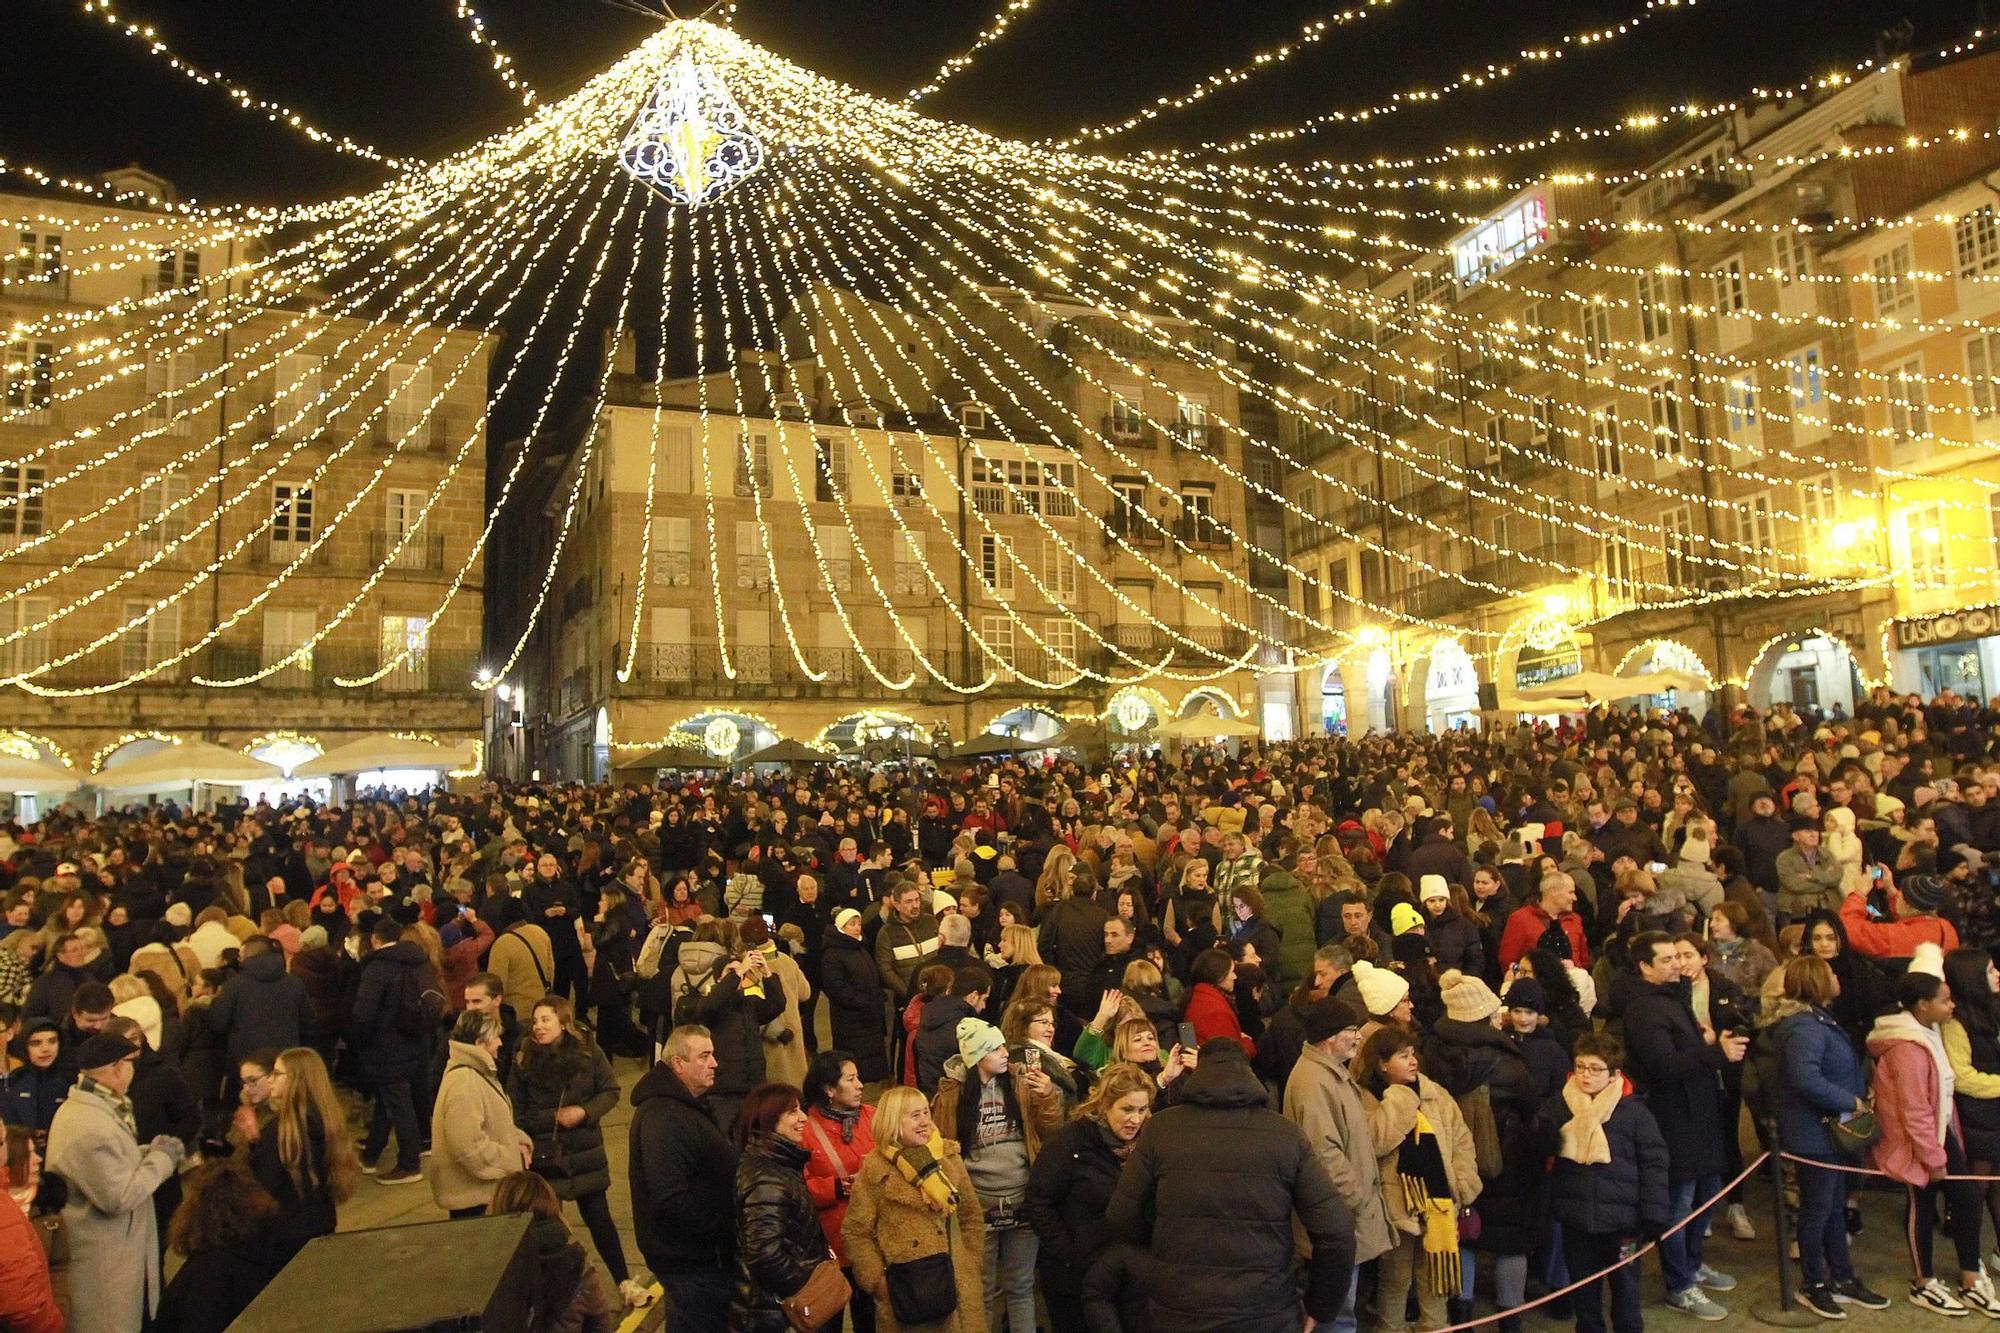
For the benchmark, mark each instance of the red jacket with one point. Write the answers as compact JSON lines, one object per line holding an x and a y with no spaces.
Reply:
{"x":1214,"y":1015}
{"x":1527,"y":924}
{"x":1906,"y":1104}
{"x":823,"y":1182}
{"x":27,"y":1299}
{"x":1892,"y":939}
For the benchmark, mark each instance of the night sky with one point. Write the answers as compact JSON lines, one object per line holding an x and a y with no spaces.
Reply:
{"x":78,"y":98}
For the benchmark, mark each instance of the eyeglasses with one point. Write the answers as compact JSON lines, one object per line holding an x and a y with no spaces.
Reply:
{"x":1593,"y":1069}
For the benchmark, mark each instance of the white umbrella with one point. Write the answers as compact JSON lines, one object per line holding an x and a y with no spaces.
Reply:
{"x":1661,"y":682}
{"x":1586,"y":686}
{"x":379,"y":750}
{"x":1206,"y":727}
{"x":176,"y":766}
{"x":35,"y":777}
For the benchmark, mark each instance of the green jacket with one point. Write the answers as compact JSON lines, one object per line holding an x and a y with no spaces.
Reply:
{"x":1289,"y":909}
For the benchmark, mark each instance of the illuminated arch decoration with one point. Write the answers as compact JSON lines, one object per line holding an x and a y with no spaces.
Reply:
{"x":112,"y":747}
{"x":1671,"y":654}
{"x":691,"y":141}
{"x":30,"y":745}
{"x":1194,"y":698}
{"x":1779,"y":644}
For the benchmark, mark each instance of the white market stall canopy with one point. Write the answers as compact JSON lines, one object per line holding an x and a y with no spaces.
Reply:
{"x":1206,"y":727}
{"x":36,"y":777}
{"x":173,"y":767}
{"x":380,"y":750}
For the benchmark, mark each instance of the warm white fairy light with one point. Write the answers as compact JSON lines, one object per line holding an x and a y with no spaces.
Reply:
{"x":959,"y":63}
{"x":503,"y":64}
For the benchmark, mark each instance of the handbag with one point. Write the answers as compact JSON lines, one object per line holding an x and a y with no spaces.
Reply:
{"x":1853,"y":1133}
{"x":923,"y":1291}
{"x":820,"y":1301}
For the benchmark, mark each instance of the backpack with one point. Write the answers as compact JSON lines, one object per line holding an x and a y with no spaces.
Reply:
{"x":1477,"y":1108}
{"x":419,"y":1008}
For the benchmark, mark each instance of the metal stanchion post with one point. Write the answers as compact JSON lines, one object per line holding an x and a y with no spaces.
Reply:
{"x":1786,"y":1312}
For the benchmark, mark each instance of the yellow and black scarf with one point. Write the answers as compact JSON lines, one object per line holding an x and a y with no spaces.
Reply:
{"x":1427,"y":1194}
{"x":924,"y":1168}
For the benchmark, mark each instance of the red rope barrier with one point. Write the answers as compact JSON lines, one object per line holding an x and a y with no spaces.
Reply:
{"x":1870,"y":1171}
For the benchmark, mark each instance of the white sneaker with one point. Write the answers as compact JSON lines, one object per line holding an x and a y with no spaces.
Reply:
{"x":1739,"y":1223}
{"x":1979,"y":1297}
{"x":636,"y":1295}
{"x":1931,"y":1295}
{"x":1695,"y":1301}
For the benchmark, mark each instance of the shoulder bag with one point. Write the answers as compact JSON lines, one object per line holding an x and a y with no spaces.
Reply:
{"x":923,"y":1291}
{"x":1854,"y":1132}
{"x":820,"y":1301}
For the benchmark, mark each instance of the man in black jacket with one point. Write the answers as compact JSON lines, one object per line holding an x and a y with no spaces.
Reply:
{"x":1221,"y":1175}
{"x":392,"y":1019}
{"x":262,"y":1005}
{"x":1678,"y":1071}
{"x":684,"y":1183}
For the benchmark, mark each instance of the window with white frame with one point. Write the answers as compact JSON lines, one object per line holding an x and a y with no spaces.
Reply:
{"x":1620,"y":576}
{"x":836,"y":547}
{"x":1740,"y":404}
{"x":166,"y":377}
{"x":1484,"y":448}
{"x":830,"y":477}
{"x":37,"y":254}
{"x":1606,"y":447}
{"x":27,"y":617}
{"x":906,"y":487}
{"x":1895,"y":284}
{"x":996,"y":567}
{"x":406,"y":641}
{"x":1808,"y":379}
{"x":753,"y":563}
{"x":1976,"y":242}
{"x":998,"y":631}
{"x":1908,"y":411}
{"x":1191,"y":419}
{"x":1059,"y":633}
{"x":1663,"y":406}
{"x":1677,"y":540}
{"x":1542,"y":425}
{"x":163,"y":511}
{"x":292,"y":513}
{"x":1655,"y":314}
{"x":28,"y":376}
{"x":296,"y":409}
{"x":910,"y":578}
{"x":1925,"y":533}
{"x":286,"y":630}
{"x":1128,"y":507}
{"x":177,"y":268}
{"x":153,"y":634}
{"x":22,"y":494}
{"x":1756,"y":528}
{"x":1791,"y":260}
{"x":1058,"y":568}
{"x":409,"y":398}
{"x":671,"y":554}
{"x":1500,"y":240}
{"x":1127,"y":422}
{"x":404,"y":515}
{"x":1731,"y":293}
{"x":1982,"y":370}
{"x":753,"y":463}
{"x":1198,"y":510}
{"x":1596,"y":333}
{"x":1819,"y":501}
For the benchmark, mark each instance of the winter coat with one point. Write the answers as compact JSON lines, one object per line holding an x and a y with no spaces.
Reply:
{"x":1547,"y":1059}
{"x":393,"y":978}
{"x":1975,"y":1068}
{"x":27,"y":1292}
{"x":903,"y":949}
{"x":786,"y":1058}
{"x":524,"y":959}
{"x":1907,"y":1107}
{"x":1455,"y":942}
{"x":830,"y":1187}
{"x":890,"y":1222}
{"x":300,"y":1217}
{"x":1819,"y":1074}
{"x":854,"y":1005}
{"x":1041,"y":1115}
{"x":937,"y":1038}
{"x":736,"y":1021}
{"x":263,"y":1007}
{"x":474,"y":1140}
{"x":577,"y":1074}
{"x":1626,"y":1196}
{"x":683,"y":1179}
{"x":1216,"y":1182}
{"x":213,"y":1287}
{"x":1807,"y":886}
{"x":1892,"y":939}
{"x":1070,"y":935}
{"x":1529,"y":923}
{"x":50,"y":995}
{"x":30,"y":1096}
{"x":1214,"y":1015}
{"x":1679,"y":1074}
{"x":1068,"y":1190}
{"x":1322,"y":1099}
{"x":778,"y":1237}
{"x":1392,"y":1116}
{"x":323,"y":972}
{"x":1290,"y":912}
{"x":1466,"y":1058}
{"x":569,"y":1295}
{"x":114,"y":1243}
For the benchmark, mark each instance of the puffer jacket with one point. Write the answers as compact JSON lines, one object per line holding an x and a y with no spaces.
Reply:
{"x":263,"y":1006}
{"x":1216,"y":1182}
{"x":391,"y":978}
{"x":1626,"y":1196}
{"x":542,"y":1080}
{"x":937,"y":1038}
{"x":1068,"y":1190}
{"x":1819,"y":1074}
{"x":1290,"y":913}
{"x":778,"y":1238}
{"x":736,"y":1020}
{"x":1467,"y":1057}
{"x":1914,"y":1116}
{"x":682,"y":1171}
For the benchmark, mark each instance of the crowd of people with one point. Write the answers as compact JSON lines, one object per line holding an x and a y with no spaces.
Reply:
{"x":1384,"y":1030}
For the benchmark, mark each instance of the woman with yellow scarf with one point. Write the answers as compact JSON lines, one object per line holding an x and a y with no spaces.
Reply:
{"x":914,"y":1227}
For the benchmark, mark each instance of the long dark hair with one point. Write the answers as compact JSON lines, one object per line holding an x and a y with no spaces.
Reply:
{"x":966,"y":1130}
{"x":552,"y":1067}
{"x":1974,"y":1001}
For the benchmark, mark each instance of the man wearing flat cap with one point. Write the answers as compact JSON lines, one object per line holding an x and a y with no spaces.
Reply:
{"x":94,"y":1146}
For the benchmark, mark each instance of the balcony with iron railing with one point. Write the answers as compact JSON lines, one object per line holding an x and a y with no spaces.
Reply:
{"x":1151,"y":641}
{"x":419,"y":553}
{"x":1128,"y":525}
{"x":1128,"y":432}
{"x":1203,"y":532}
{"x":430,"y":673}
{"x":682,"y":670}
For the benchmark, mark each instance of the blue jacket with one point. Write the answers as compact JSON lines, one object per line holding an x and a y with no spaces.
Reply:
{"x":1819,"y":1074}
{"x":30,"y":1096}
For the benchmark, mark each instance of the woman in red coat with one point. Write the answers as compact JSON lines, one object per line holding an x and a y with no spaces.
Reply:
{"x":840,"y":1133}
{"x":1209,"y":1004}
{"x":27,"y":1295}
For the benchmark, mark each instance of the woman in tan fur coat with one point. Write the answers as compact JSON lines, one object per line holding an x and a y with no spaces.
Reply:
{"x":905,"y":1208}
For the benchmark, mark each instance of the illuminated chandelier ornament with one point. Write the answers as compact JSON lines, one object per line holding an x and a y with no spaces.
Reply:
{"x":1546,"y":632}
{"x":691,"y":142}
{"x":721,"y":737}
{"x":1131,"y":711}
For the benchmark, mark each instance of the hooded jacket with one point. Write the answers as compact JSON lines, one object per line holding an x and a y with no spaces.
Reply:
{"x":1913,"y":1098}
{"x":392,"y":978}
{"x":683,"y":1178}
{"x":262,"y":1007}
{"x":854,"y":1004}
{"x":472,"y":1129}
{"x":1216,"y":1180}
{"x":937,"y":1038}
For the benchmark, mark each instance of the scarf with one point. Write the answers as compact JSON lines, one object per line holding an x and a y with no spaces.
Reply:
{"x":1427,"y":1194}
{"x":924,"y":1168}
{"x":846,"y":1121}
{"x":120,"y":1104}
{"x":1583,"y":1138}
{"x":1903,"y":1026}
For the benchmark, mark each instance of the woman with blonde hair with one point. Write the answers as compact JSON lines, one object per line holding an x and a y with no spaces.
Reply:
{"x":1016,"y":951}
{"x":1054,"y":877}
{"x":913,"y":1204}
{"x":303,"y":1153}
{"x":1071,"y":1184}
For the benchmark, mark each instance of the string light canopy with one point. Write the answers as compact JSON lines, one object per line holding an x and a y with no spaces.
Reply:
{"x":1030,"y":276}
